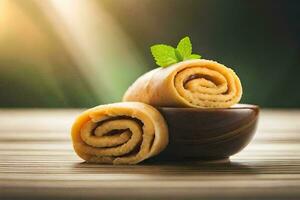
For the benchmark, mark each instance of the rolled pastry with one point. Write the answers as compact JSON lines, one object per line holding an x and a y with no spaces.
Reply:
{"x":119,"y":133}
{"x":193,"y":83}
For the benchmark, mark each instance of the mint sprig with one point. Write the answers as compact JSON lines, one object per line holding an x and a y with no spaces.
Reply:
{"x":166,"y":55}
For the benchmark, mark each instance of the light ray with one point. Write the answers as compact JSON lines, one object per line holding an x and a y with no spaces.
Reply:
{"x":105,"y":55}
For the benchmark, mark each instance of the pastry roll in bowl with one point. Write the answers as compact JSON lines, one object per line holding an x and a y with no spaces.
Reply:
{"x":192,"y":83}
{"x":119,"y":133}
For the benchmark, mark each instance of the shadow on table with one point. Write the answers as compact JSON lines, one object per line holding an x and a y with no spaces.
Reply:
{"x":168,"y":168}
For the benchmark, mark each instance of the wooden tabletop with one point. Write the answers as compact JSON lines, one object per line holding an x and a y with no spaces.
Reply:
{"x":37,"y":161}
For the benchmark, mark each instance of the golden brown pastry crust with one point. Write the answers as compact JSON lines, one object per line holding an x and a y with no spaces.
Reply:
{"x":193,"y":83}
{"x":119,"y":133}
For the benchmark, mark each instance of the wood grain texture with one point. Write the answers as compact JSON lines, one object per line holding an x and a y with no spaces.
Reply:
{"x":37,"y":161}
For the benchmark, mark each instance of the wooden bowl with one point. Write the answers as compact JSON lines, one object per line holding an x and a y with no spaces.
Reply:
{"x":208,"y":134}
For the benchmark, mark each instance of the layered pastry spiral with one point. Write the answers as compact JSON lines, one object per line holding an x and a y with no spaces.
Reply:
{"x":119,"y":133}
{"x":193,"y":83}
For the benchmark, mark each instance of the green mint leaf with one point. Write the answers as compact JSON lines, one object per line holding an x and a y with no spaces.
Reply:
{"x":194,"y":56}
{"x":178,"y":55}
{"x":164,"y":55}
{"x":185,"y":47}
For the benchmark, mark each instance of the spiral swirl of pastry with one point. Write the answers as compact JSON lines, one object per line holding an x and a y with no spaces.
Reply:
{"x":119,"y":133}
{"x":193,"y":83}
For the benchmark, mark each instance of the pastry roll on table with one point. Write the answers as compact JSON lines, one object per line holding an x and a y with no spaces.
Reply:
{"x":192,"y":83}
{"x":119,"y":133}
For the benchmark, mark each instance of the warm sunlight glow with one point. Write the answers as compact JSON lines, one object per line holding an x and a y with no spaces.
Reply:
{"x":90,"y":35}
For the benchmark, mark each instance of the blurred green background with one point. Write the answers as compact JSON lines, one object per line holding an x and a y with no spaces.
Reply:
{"x":81,"y":53}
